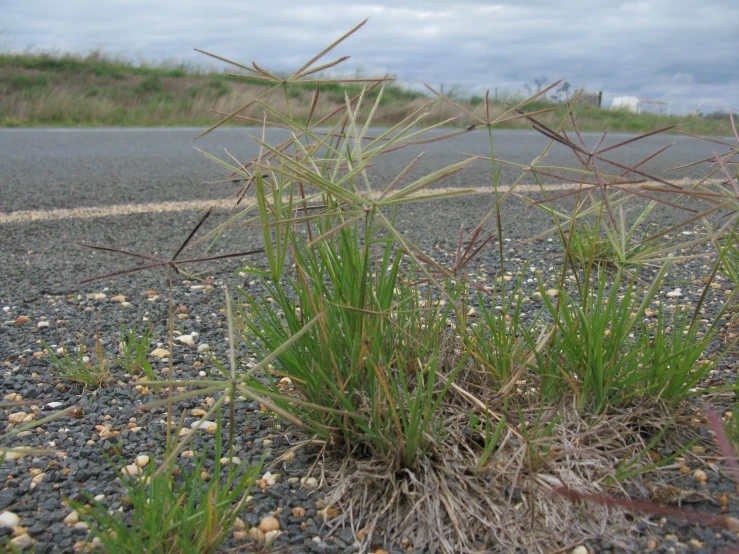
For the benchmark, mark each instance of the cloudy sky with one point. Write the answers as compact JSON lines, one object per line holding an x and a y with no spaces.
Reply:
{"x":686,"y":52}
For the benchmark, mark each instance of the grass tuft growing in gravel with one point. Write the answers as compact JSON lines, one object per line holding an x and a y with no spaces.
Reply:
{"x":451,"y":413}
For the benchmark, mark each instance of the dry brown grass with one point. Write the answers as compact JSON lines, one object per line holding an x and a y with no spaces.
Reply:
{"x":451,"y":504}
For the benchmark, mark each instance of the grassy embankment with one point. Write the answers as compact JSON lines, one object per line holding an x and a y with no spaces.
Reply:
{"x":38,"y":89}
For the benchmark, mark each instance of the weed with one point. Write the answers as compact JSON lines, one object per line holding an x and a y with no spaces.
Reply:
{"x":431,"y":414}
{"x":610,"y":346}
{"x":135,"y":350}
{"x":173,"y":509}
{"x":78,"y":368}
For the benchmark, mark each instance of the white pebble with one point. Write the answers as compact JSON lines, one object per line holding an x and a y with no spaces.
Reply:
{"x":131,"y":469}
{"x":235,"y":461}
{"x":208,"y":426}
{"x":310,"y":482}
{"x":21,"y":542}
{"x":186,"y":339}
{"x":9,"y":519}
{"x":203,"y":347}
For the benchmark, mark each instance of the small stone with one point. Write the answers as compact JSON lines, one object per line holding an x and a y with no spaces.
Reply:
{"x":20,"y":320}
{"x":160,"y":353}
{"x":675,"y":293}
{"x":186,"y":339}
{"x":651,"y":544}
{"x":270,"y":478}
{"x":268,"y":524}
{"x":472,"y":312}
{"x":582,"y":549}
{"x":18,"y":452}
{"x":700,"y":476}
{"x":142,"y":460}
{"x":310,"y":482}
{"x":198,"y":412}
{"x":100,"y":296}
{"x":125,"y":304}
{"x":684,"y":470}
{"x":37,"y":479}
{"x":42,"y":324}
{"x":9,"y":519}
{"x":235,"y":461}
{"x":298,"y":511}
{"x":203,"y":347}
{"x":204,"y":475}
{"x":329,"y":513}
{"x":21,"y":542}
{"x":270,"y":536}
{"x":71,"y":519}
{"x":256,"y":534}
{"x":17,"y":417}
{"x":552,"y":293}
{"x":131,"y":469}
{"x":288,"y":457}
{"x":208,"y":426}
{"x":150,"y":292}
{"x":187,"y":454}
{"x":118,"y":298}
{"x":240,"y":535}
{"x":732,"y":524}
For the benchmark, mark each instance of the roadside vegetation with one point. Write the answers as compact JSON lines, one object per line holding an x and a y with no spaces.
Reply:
{"x":67,"y":90}
{"x":446,"y":417}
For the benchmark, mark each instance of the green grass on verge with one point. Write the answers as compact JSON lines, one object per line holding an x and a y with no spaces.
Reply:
{"x":65,"y":90}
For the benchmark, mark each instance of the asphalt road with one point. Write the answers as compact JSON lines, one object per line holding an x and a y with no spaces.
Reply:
{"x":44,"y":169}
{"x":61,"y":169}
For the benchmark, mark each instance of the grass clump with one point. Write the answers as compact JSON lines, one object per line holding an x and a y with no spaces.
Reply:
{"x":444,"y":422}
{"x":610,"y":346}
{"x":175,"y":509}
{"x":79,"y":368}
{"x":134,"y":348}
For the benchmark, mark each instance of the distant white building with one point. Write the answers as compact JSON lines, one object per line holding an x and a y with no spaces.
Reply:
{"x":628,"y":103}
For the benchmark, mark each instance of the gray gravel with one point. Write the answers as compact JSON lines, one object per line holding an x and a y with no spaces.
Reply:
{"x":41,"y":267}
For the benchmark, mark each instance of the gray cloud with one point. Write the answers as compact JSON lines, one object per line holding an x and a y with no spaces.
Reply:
{"x":673,"y":50}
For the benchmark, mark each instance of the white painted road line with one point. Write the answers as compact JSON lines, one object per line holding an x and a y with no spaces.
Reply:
{"x":26,"y":216}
